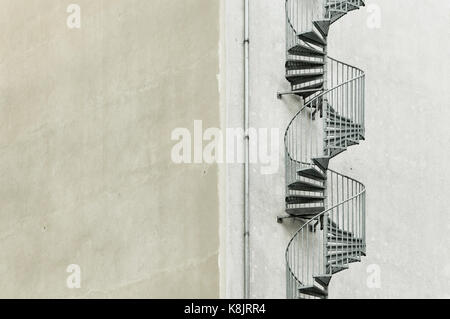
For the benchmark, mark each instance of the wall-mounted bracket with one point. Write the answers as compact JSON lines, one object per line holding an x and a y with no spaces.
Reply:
{"x":281,"y":94}
{"x":280,"y":219}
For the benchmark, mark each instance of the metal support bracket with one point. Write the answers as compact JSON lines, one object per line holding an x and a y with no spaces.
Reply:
{"x":280,"y":219}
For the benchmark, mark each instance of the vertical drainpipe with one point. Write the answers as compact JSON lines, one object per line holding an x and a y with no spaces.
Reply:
{"x":247,"y":151}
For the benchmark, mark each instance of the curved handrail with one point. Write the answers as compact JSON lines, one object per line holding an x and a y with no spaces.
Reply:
{"x":331,"y":208}
{"x":294,"y":265}
{"x":344,"y":197}
{"x":316,"y":218}
{"x":317,"y":99}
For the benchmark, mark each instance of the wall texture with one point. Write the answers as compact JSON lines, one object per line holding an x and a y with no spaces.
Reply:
{"x":402,"y":162}
{"x":85,"y":122}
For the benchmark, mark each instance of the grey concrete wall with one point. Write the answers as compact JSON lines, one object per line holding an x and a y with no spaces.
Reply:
{"x":402,"y":162}
{"x":85,"y":122}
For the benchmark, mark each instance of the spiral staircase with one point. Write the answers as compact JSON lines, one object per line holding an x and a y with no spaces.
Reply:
{"x":331,"y":205}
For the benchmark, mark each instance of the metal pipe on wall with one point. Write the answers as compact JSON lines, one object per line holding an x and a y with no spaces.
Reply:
{"x":247,"y":152}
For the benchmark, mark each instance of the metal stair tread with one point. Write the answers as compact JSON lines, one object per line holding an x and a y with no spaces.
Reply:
{"x":301,"y":79}
{"x":306,"y":186}
{"x":343,"y":245}
{"x":335,"y":147}
{"x":343,"y":254}
{"x":312,"y":173}
{"x":305,"y":211}
{"x":345,"y":142}
{"x":334,"y":230}
{"x":304,"y":74}
{"x":305,"y":50}
{"x":342,"y":123}
{"x":303,"y":63}
{"x":341,"y":239}
{"x":323,"y":280}
{"x":343,"y":137}
{"x":306,"y":93}
{"x":343,"y":261}
{"x":313,"y":291}
{"x":313,"y":37}
{"x":338,"y":117}
{"x":332,"y":5}
{"x":322,"y":26}
{"x":317,"y":85}
{"x":334,"y":269}
{"x":343,"y":126}
{"x":322,"y":162}
{"x":303,"y":199}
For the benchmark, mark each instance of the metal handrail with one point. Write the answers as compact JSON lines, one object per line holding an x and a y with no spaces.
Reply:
{"x":316,"y":101}
{"x":331,"y":208}
{"x":309,"y":222}
{"x":308,"y":254}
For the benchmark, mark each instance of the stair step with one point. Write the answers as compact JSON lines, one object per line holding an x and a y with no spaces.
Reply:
{"x":342,"y":5}
{"x":303,"y":68}
{"x":312,"y":37}
{"x":336,"y":268}
{"x":292,"y":63}
{"x":343,"y":131}
{"x":336,"y":15}
{"x":304,"y":199}
{"x":342,"y":125}
{"x":323,"y":280}
{"x":333,"y":231}
{"x":343,"y":261}
{"x":313,"y":291}
{"x":334,"y":255}
{"x":296,"y":79}
{"x":312,"y":173}
{"x":322,"y":162}
{"x":337,"y":248}
{"x":341,"y":142}
{"x":308,"y":86}
{"x":306,"y":186}
{"x":305,"y":211}
{"x":343,"y":239}
{"x":307,"y":72}
{"x":347,"y":248}
{"x":307,"y":93}
{"x":341,"y":138}
{"x":332,"y":116}
{"x":323,"y":26}
{"x":333,"y":151}
{"x":344,"y":246}
{"x":305,"y":50}
{"x":335,"y":147}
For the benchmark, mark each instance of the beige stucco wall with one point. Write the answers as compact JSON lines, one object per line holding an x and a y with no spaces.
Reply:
{"x":85,"y":122}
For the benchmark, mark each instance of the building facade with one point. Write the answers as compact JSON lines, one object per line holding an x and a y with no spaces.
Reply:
{"x":110,"y":186}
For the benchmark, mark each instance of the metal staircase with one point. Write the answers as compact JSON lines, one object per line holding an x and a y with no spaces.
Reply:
{"x":331,"y":204}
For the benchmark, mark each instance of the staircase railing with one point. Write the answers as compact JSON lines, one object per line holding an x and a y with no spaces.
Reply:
{"x":345,"y":101}
{"x":335,"y":237}
{"x":299,"y":18}
{"x":309,"y":254}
